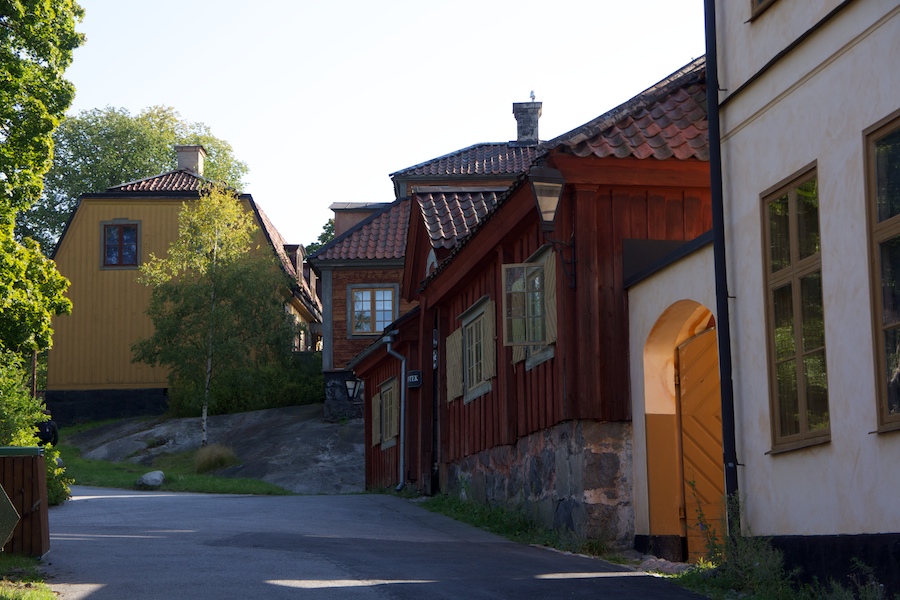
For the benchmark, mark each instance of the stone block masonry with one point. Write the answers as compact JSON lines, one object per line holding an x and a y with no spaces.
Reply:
{"x":574,"y":476}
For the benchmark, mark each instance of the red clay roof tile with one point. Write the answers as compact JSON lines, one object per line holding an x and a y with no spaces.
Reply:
{"x":508,"y":158}
{"x":382,"y":235}
{"x":173,"y":181}
{"x":665,"y":121}
{"x":451,"y":215}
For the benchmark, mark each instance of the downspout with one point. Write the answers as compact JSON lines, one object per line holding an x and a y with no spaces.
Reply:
{"x":388,"y":340}
{"x":723,"y":323}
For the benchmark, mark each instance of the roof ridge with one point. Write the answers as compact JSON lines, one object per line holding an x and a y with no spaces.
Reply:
{"x":460,"y":151}
{"x":157,"y":176}
{"x":650,"y":95}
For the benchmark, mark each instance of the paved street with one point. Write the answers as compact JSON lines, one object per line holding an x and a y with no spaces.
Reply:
{"x":114,"y":544}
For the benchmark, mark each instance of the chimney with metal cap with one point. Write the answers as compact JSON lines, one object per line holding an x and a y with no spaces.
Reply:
{"x":191,"y":158}
{"x":527,"y":115}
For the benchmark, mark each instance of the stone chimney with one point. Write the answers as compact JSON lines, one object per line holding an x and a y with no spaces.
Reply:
{"x":527,"y":115}
{"x":191,"y":158}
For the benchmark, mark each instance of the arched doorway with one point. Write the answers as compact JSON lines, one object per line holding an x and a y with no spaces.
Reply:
{"x":684,"y":430}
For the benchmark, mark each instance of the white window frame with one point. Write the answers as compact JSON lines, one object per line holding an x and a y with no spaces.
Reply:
{"x":353,"y":288}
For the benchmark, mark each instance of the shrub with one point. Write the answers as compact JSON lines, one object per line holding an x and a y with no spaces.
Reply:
{"x":212,"y":457}
{"x":19,"y":415}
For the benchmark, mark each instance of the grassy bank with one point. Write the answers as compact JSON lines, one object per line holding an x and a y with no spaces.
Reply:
{"x":184,"y":473}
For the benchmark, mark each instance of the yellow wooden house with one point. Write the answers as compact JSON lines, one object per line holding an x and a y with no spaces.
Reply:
{"x":107,"y":238}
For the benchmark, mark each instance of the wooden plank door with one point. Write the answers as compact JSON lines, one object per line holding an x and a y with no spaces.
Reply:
{"x":701,"y":438}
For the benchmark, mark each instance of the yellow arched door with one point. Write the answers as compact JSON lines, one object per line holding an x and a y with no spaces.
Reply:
{"x":700,"y":413}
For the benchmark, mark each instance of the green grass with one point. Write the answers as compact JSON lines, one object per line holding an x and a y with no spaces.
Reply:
{"x":179,"y":469}
{"x":21,"y":580}
{"x":513,"y":525}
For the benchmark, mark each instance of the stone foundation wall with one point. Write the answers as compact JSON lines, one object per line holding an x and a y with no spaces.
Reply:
{"x":575,"y":476}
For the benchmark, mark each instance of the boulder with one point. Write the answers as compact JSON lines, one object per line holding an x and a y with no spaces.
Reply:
{"x":151,"y":481}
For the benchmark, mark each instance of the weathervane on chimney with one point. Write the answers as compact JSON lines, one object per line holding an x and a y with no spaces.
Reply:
{"x":532,"y":95}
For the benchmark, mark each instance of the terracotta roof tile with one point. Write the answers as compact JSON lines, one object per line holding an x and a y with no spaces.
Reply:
{"x":382,"y":235}
{"x":451,"y":215}
{"x":173,"y":181}
{"x":508,"y":158}
{"x":668,"y":120}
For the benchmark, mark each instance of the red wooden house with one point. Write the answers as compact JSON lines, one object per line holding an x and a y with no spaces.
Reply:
{"x":520,"y":336}
{"x":361,"y":269}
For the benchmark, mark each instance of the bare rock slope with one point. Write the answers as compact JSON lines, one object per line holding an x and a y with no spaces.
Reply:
{"x":293,"y":447}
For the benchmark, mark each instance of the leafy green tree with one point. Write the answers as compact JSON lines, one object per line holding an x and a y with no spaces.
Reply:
{"x":37,"y":38}
{"x":31,"y":292}
{"x":101,"y":148}
{"x":217,"y":305}
{"x":326,"y":236}
{"x":20,"y":412}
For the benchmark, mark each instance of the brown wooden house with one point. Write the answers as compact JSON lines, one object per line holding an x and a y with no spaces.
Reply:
{"x":521,"y":335}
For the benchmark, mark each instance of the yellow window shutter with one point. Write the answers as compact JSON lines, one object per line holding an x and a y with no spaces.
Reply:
{"x":395,"y":411}
{"x":518,"y":354}
{"x":490,"y":340}
{"x":453,"y":353}
{"x":376,"y":419}
{"x":550,"y":297}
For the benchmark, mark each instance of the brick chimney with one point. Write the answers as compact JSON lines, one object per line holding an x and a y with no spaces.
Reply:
{"x":191,"y":158}
{"x":527,"y":115}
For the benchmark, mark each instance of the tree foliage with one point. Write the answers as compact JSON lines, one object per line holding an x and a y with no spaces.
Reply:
{"x":31,"y":292}
{"x":101,"y":148}
{"x":37,"y":38}
{"x":326,"y":236}
{"x":217,"y":307}
{"x":19,"y":415}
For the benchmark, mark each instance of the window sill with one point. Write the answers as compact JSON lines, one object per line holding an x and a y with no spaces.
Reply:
{"x":888,"y":427}
{"x":537,"y":358}
{"x":363,"y":336}
{"x":479,"y":390}
{"x":389,"y":443}
{"x":119,"y":267}
{"x":800,"y":444}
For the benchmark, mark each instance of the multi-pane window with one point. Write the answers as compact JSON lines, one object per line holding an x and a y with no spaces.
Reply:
{"x":883,"y":163}
{"x":523,"y":315}
{"x":371,"y":310}
{"x":389,"y":410}
{"x":473,"y":352}
{"x":471,"y":359}
{"x":529,"y":303}
{"x":796,"y":314}
{"x":120,"y":245}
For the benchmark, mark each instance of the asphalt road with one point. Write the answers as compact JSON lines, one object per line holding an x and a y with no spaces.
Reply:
{"x":115,"y":544}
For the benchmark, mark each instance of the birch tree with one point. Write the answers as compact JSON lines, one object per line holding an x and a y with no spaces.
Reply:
{"x":215,"y":303}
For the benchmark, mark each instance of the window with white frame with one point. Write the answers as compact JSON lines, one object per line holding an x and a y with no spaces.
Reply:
{"x":883,"y":191}
{"x":529,"y":307}
{"x":471,"y":353}
{"x":370,"y":308}
{"x":795,"y":315}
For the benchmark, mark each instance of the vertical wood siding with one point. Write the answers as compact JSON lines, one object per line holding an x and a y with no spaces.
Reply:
{"x":92,"y":346}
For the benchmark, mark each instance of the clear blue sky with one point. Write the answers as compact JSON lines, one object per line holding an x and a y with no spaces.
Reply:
{"x":324,"y":99}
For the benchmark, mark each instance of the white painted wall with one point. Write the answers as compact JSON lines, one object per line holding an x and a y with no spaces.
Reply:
{"x":690,"y":279}
{"x":812,"y":107}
